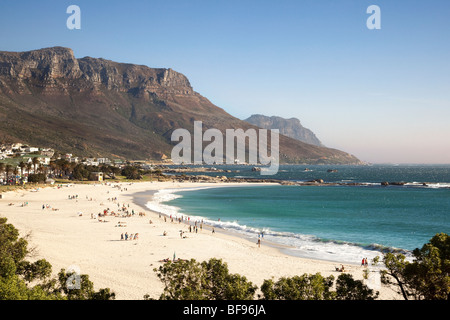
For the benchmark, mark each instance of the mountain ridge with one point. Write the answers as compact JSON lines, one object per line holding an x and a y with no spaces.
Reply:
{"x":98,"y":107}
{"x":291,"y":127}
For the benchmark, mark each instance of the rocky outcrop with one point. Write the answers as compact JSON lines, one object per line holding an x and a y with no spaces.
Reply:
{"x":288,"y":127}
{"x":58,"y":68}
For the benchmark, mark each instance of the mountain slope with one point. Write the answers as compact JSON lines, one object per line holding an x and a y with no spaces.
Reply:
{"x":96,"y":107}
{"x":288,"y":127}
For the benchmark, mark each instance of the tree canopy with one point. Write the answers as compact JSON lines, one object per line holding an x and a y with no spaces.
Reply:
{"x":17,"y":274}
{"x":191,"y":280}
{"x":427,"y":277}
{"x":211,"y":280}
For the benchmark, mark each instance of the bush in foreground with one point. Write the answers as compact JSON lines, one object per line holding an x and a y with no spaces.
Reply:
{"x":427,"y":277}
{"x":210,"y":280}
{"x":17,"y":274}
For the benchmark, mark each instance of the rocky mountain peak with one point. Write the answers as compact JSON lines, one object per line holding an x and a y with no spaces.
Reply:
{"x":289,"y":127}
{"x":57,"y":66}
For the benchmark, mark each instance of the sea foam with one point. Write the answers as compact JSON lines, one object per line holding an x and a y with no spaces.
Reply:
{"x":301,"y":245}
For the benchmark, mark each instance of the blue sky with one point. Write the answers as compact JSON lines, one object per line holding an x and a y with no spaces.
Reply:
{"x":382,"y":95}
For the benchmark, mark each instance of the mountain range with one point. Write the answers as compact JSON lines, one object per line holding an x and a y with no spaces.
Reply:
{"x":96,"y":107}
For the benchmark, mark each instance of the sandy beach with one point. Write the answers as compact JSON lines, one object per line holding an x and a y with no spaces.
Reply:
{"x":65,"y":229}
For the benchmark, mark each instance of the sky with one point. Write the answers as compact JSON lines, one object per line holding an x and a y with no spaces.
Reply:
{"x":382,"y":95}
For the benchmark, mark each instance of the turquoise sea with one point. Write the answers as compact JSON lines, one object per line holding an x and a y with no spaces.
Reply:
{"x":341,"y":223}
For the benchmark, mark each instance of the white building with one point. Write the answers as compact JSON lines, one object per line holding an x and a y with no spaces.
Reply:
{"x":31,"y":149}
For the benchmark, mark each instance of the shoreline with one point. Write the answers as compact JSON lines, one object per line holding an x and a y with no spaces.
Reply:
{"x":252,"y":236}
{"x":64,"y":238}
{"x":149,"y":194}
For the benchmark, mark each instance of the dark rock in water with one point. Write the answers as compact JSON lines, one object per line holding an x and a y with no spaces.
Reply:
{"x":316,"y":181}
{"x":256,"y":169}
{"x":384,"y":183}
{"x":397,"y":183}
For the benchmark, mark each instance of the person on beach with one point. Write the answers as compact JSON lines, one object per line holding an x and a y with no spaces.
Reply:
{"x":213,"y":230}
{"x":121,"y":236}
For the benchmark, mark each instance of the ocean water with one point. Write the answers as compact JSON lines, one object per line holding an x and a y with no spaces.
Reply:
{"x":338,"y":223}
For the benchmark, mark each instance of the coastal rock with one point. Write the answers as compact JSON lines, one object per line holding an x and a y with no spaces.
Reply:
{"x":397,"y":183}
{"x":288,"y":127}
{"x":316,"y":181}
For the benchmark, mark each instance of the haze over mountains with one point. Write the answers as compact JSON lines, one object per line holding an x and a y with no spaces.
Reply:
{"x":96,"y":107}
{"x":289,"y":127}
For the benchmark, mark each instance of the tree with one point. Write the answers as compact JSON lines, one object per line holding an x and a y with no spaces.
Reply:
{"x":221,"y":285}
{"x":305,"y":287}
{"x":86,"y":288}
{"x":37,"y":178}
{"x":430,"y":272}
{"x":8,"y":170}
{"x":191,"y":280}
{"x":15,"y":172}
{"x":131,"y":173}
{"x":17,"y":274}
{"x":29,"y":166}
{"x":22,"y":165}
{"x":349,"y":289}
{"x":80,"y":172}
{"x":53,"y":167}
{"x":427,"y":276}
{"x":2,"y":168}
{"x":35,"y":162}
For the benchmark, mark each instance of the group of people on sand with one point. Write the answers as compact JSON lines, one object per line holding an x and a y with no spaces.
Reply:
{"x":192,"y":228}
{"x":364,"y":262}
{"x":129,"y":237}
{"x":47,"y":206}
{"x":341,"y":269}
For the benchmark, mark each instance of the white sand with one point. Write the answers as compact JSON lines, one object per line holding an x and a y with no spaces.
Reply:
{"x":66,"y":239}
